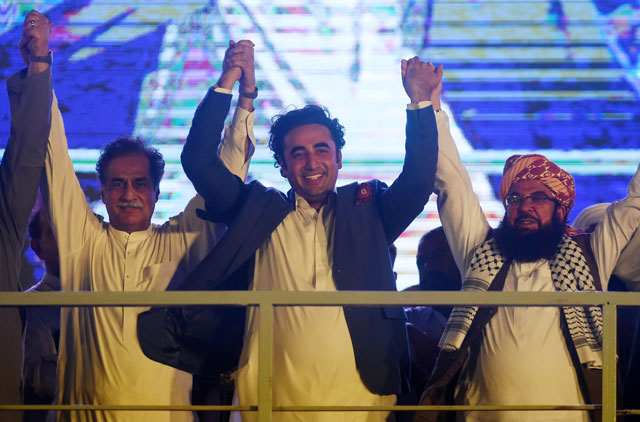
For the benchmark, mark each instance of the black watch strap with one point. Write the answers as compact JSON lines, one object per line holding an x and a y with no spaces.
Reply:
{"x":41,"y":59}
{"x":253,"y":95}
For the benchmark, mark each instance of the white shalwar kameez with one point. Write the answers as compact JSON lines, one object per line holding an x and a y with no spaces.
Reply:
{"x":313,"y":359}
{"x":523,"y":358}
{"x":100,"y":360}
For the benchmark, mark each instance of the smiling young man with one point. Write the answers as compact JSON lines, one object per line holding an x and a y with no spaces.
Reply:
{"x":100,"y":360}
{"x":523,"y":355}
{"x":315,"y":238}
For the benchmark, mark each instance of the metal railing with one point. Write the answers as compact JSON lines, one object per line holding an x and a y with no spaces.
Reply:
{"x":266,"y":301}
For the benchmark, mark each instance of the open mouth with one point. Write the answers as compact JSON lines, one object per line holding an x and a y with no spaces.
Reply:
{"x":526,"y":222}
{"x":313,"y":177}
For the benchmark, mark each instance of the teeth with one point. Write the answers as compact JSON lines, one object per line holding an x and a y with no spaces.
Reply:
{"x":314,"y":176}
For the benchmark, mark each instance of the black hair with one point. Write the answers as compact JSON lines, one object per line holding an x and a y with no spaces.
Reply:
{"x":282,"y":124}
{"x":126,"y":147}
{"x":431,"y":233}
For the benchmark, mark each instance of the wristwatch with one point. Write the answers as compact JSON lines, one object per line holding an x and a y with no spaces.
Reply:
{"x":253,"y":95}
{"x":41,"y":59}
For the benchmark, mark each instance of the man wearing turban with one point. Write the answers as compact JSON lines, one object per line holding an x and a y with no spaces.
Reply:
{"x":522,"y":355}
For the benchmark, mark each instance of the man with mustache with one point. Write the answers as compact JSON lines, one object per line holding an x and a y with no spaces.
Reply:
{"x":523,"y":355}
{"x":315,"y":238}
{"x":100,"y":360}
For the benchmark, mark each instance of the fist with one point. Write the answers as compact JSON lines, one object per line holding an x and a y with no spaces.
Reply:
{"x":35,"y":35}
{"x":242,"y":57}
{"x":420,"y":79}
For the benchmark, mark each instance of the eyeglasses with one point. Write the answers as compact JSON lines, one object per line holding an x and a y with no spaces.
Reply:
{"x":536,"y":198}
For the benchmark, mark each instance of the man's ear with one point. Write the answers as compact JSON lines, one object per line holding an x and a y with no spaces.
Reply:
{"x":339,"y":158}
{"x":283,"y":168}
{"x":562,"y":212}
{"x":103,"y":195}
{"x":157,"y":194}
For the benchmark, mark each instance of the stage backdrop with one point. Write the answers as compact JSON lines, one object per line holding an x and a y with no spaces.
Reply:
{"x":555,"y":76}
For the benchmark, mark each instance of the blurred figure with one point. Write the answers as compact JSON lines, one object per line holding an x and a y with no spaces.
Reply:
{"x":20,"y":173}
{"x":590,"y":217}
{"x":436,"y":266}
{"x":425,"y":324}
{"x":625,"y":275}
{"x":42,"y":331}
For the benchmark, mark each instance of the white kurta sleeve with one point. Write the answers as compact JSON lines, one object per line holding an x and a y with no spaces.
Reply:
{"x":72,"y":220}
{"x":464,"y":222}
{"x":610,"y":240}
{"x":628,"y":266}
{"x":233,"y":155}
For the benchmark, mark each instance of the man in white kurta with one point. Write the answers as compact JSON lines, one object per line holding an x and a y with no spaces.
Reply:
{"x":313,"y":358}
{"x":100,"y":360}
{"x":313,"y":342}
{"x":523,"y":358}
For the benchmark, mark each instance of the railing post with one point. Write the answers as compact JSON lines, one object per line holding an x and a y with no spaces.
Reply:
{"x":265,"y":362}
{"x":609,"y":386}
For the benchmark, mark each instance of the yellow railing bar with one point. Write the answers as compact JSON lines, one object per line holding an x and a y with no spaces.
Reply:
{"x":291,"y":298}
{"x":127,"y":407}
{"x":265,"y":362}
{"x":609,"y":334}
{"x":484,"y":408}
{"x":267,"y":300}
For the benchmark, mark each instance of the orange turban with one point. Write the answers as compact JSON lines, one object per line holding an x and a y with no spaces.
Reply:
{"x":538,"y":167}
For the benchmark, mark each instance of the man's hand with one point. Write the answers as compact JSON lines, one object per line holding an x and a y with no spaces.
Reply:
{"x":242,"y":57}
{"x":238,"y":64}
{"x":421,"y":80}
{"x":35,"y":40}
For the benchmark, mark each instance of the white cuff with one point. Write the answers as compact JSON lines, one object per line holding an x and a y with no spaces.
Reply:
{"x":216,"y":88}
{"x":421,"y":104}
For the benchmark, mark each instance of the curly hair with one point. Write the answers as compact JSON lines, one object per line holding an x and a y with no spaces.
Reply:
{"x":282,"y":124}
{"x":126,"y":147}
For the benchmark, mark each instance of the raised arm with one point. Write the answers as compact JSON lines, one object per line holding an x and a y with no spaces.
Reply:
{"x":464,"y":223}
{"x":611,"y":237}
{"x":211,"y":174}
{"x":20,"y":172}
{"x":405,"y":198}
{"x":72,"y":220}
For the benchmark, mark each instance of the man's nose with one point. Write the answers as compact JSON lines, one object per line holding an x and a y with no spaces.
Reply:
{"x":128,"y":191}
{"x":312,"y":161}
{"x":525,"y":205}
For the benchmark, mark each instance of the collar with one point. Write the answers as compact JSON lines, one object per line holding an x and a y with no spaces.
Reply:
{"x":295,"y":199}
{"x":137,"y":236}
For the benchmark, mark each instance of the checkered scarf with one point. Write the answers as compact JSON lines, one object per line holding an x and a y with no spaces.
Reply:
{"x":569,"y":272}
